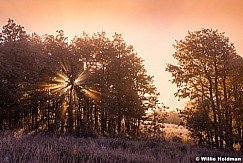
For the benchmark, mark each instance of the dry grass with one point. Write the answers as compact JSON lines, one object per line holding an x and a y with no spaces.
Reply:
{"x":49,"y":148}
{"x":172,"y":131}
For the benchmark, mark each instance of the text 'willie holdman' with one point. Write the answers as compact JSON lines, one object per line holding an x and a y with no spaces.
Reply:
{"x":219,"y":159}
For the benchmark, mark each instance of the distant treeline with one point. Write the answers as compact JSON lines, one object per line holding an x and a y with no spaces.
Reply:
{"x":173,"y":118}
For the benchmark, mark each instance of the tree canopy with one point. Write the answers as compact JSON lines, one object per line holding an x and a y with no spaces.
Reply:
{"x":92,"y":84}
{"x":210,"y":73}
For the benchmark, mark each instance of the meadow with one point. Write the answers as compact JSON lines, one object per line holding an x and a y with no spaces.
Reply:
{"x":49,"y":148}
{"x":174,"y":132}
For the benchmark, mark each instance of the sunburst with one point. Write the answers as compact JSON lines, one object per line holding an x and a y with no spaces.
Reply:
{"x":65,"y":83}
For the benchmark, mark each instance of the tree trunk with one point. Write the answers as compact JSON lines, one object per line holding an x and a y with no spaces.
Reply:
{"x":214,"y":114}
{"x":219,"y":113}
{"x":70,"y":111}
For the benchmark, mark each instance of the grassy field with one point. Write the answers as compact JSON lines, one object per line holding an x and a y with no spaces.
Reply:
{"x":17,"y":147}
{"x":174,"y":132}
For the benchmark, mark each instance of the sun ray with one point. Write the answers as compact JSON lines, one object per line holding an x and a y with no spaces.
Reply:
{"x":61,"y":90}
{"x":64,"y":84}
{"x":60,"y":80}
{"x":81,"y":77}
{"x":91,"y":93}
{"x":64,"y":108}
{"x":62,"y":76}
{"x":75,"y":97}
{"x":94,"y":91}
{"x":46,"y":87}
{"x":65,"y":66}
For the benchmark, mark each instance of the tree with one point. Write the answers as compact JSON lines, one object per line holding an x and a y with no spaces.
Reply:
{"x":92,"y":84}
{"x":204,"y":74}
{"x":12,"y":32}
{"x":13,"y":39}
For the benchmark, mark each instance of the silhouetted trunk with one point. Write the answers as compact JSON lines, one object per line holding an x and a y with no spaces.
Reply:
{"x":241,"y":142}
{"x":35,"y":114}
{"x":128,"y":126}
{"x":96,"y":118}
{"x":70,"y":111}
{"x":103,"y":121}
{"x":79,"y":115}
{"x":138,"y":126}
{"x":119,"y":119}
{"x":219,"y":113}
{"x":48,"y":115}
{"x":214,"y":113}
{"x":228,"y":114}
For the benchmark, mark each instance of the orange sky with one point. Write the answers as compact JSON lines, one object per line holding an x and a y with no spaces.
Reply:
{"x":151,"y":26}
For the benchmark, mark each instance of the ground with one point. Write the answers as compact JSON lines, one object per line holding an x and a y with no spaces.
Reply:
{"x":49,"y":148}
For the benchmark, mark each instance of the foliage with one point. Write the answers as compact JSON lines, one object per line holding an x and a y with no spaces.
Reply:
{"x":209,"y":72}
{"x":86,"y":86}
{"x":153,"y":122}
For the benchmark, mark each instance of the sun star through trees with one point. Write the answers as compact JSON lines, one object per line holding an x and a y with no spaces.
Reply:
{"x":66,"y":83}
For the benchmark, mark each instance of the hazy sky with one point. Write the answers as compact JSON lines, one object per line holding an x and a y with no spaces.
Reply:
{"x":151,"y":26}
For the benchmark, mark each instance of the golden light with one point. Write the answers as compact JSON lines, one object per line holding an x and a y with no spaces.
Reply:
{"x":65,"y":84}
{"x":92,"y":93}
{"x":81,"y":77}
{"x":61,"y":77}
{"x":64,"y":108}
